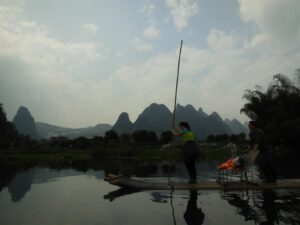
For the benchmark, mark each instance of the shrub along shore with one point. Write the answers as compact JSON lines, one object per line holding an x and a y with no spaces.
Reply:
{"x":113,"y":150}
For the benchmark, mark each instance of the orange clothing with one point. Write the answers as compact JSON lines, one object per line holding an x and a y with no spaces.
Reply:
{"x":229,"y":164}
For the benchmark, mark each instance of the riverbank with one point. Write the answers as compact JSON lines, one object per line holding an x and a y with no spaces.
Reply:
{"x":15,"y":157}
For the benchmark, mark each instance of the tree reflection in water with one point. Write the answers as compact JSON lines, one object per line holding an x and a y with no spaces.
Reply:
{"x":267,"y":206}
{"x":160,"y":197}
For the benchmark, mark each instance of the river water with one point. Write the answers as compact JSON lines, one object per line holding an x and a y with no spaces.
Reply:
{"x":77,"y":194}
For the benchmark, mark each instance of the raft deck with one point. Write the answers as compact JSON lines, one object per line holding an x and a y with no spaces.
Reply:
{"x":135,"y":184}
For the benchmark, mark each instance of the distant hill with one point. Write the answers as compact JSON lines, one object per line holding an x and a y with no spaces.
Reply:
{"x":201,"y":123}
{"x":158,"y":118}
{"x":202,"y":113}
{"x":236,"y":126}
{"x":215,"y":125}
{"x":155,"y":117}
{"x":47,"y":130}
{"x":24,"y":123}
{"x":123,"y":124}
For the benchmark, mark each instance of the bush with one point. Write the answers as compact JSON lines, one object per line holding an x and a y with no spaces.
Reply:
{"x":144,"y":137}
{"x":276,"y":111}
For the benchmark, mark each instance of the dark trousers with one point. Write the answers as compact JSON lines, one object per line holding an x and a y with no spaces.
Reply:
{"x":266,"y":169}
{"x":190,"y":164}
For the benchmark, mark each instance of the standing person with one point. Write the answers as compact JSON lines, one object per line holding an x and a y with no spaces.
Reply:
{"x":257,"y":142}
{"x":190,"y":151}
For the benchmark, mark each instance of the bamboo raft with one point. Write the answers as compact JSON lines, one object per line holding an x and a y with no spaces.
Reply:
{"x":135,"y":184}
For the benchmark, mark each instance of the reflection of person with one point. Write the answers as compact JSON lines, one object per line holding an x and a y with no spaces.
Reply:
{"x":257,"y":142}
{"x":190,"y":152}
{"x":193,"y":214}
{"x":263,"y":213}
{"x":269,"y":206}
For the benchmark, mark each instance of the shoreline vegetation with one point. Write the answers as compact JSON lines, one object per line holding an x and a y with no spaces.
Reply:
{"x":129,"y":159}
{"x":113,"y":151}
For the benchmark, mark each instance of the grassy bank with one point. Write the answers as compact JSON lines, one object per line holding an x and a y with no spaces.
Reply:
{"x":12,"y":157}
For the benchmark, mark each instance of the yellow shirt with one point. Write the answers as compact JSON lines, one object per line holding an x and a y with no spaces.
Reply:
{"x":187,"y":135}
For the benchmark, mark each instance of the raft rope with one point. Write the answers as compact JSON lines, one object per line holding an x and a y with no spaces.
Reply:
{"x":174,"y":111}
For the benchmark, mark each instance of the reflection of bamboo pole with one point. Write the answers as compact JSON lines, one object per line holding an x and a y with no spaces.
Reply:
{"x":174,"y":111}
{"x":172,"y":206}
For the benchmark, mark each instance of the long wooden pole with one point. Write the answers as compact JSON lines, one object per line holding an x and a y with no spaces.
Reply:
{"x":176,"y":88}
{"x":175,"y":103}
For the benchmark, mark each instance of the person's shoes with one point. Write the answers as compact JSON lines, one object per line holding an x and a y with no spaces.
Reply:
{"x":192,"y":181}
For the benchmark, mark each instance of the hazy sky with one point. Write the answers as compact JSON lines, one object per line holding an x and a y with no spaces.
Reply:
{"x":78,"y":63}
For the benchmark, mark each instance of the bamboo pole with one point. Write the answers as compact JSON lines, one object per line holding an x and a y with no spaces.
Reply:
{"x":176,"y":88}
{"x":174,"y":111}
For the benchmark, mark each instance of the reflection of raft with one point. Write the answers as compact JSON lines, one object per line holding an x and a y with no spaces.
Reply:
{"x":134,"y":184}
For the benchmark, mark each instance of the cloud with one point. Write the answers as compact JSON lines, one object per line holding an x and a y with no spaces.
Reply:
{"x":151,"y":81}
{"x":141,"y":45}
{"x":218,"y":40}
{"x":214,"y":77}
{"x":39,"y":71}
{"x":31,"y":42}
{"x":151,"y":33}
{"x":181,"y":11}
{"x":148,"y":9}
{"x":89,"y":29}
{"x":277,"y":22}
{"x":13,"y":3}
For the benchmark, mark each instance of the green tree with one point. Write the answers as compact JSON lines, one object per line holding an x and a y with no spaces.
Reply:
{"x":152,"y":138}
{"x":97,"y":141}
{"x":222,"y":138}
{"x":81,"y":143}
{"x":166,"y":137}
{"x":241,"y":136}
{"x":111,"y":135}
{"x":125,"y":138}
{"x":276,"y":111}
{"x":211,"y":138}
{"x":144,"y":137}
{"x":233,"y":138}
{"x":8,"y":133}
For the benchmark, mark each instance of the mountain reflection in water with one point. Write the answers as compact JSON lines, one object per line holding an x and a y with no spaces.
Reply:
{"x":75,"y":193}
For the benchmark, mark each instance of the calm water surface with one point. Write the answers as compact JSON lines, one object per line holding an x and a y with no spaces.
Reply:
{"x":77,"y":194}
